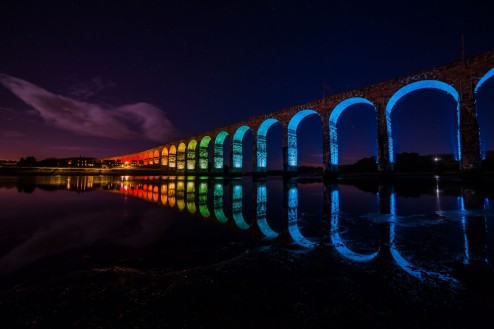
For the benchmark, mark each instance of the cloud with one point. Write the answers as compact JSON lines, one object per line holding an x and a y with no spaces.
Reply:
{"x":126,"y":122}
{"x":89,"y":89}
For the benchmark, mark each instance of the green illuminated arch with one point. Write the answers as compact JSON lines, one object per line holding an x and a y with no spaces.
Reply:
{"x":191,"y":155}
{"x":218,"y":149}
{"x":262,"y":154}
{"x":203,"y":154}
{"x":181,"y":157}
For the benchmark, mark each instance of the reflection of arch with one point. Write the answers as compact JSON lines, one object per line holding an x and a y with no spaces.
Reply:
{"x":218,"y":149}
{"x":262,"y":200}
{"x":155,"y":193}
{"x":237,"y":200}
{"x":293,"y":229}
{"x":337,"y":241}
{"x":399,"y":259}
{"x":172,"y":157}
{"x":164,"y":194}
{"x":262,"y":155}
{"x":180,"y":193}
{"x":164,"y":157}
{"x":424,"y":84}
{"x":218,"y":202}
{"x":181,"y":156}
{"x":292,"y":155}
{"x":333,"y":119}
{"x":171,"y":193}
{"x":191,"y":195}
{"x":204,"y":154}
{"x":203,"y":199}
{"x":237,"y":147}
{"x":191,"y":155}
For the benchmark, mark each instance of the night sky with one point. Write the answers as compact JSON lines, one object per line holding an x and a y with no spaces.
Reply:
{"x":83,"y":78}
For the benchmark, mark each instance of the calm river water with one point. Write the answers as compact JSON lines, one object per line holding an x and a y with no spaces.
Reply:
{"x":430,"y":232}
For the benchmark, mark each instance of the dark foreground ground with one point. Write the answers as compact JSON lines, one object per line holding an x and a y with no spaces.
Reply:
{"x":238,"y":286}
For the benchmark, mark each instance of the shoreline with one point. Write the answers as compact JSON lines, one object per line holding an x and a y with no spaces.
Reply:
{"x":302,"y":176}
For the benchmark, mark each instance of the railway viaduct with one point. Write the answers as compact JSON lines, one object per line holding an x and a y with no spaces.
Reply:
{"x":460,"y":79}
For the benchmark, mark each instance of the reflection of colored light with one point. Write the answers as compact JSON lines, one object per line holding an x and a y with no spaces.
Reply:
{"x":337,"y":241}
{"x":203,"y":199}
{"x":293,"y":229}
{"x":218,"y":203}
{"x":238,"y":217}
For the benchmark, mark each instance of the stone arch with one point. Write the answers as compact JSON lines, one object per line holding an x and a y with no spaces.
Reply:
{"x":483,"y":137}
{"x":261,"y":149}
{"x":292,"y":151}
{"x":172,"y":157}
{"x":218,"y":150}
{"x":424,"y":84}
{"x":204,"y":154}
{"x":237,"y":156}
{"x":156,"y":157}
{"x":333,"y":132}
{"x":191,"y":155}
{"x":164,"y":157}
{"x":181,"y":156}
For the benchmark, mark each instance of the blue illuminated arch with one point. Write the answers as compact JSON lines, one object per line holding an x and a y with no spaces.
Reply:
{"x":261,"y":153}
{"x":333,"y":119}
{"x":486,"y":77}
{"x":203,"y":153}
{"x":218,"y":149}
{"x":292,"y":155}
{"x":424,"y":84}
{"x":238,"y":136}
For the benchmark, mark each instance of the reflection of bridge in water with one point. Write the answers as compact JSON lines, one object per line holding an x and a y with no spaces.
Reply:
{"x":205,"y":153}
{"x":206,"y":198}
